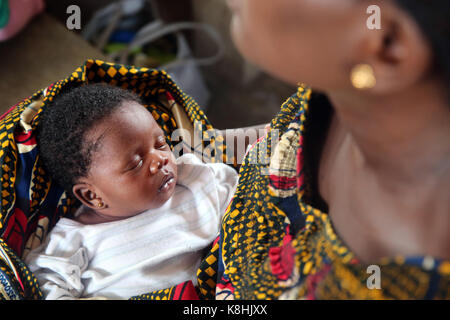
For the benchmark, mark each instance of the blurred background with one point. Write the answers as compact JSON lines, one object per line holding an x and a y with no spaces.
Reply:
{"x":189,"y":38}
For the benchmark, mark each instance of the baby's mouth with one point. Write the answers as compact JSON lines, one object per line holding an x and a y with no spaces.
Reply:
{"x":167,"y":182}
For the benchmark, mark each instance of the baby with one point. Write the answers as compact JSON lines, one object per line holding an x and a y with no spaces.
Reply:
{"x":145,"y":216}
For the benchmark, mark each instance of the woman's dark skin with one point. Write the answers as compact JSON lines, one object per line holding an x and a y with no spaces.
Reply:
{"x":385,"y":167}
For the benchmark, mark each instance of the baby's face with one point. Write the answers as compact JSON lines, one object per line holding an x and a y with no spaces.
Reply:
{"x":133,"y":169}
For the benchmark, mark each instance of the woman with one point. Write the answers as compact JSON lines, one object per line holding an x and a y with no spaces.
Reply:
{"x":354,"y":201}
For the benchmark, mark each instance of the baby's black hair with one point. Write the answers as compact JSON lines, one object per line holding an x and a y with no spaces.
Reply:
{"x":433,"y":17}
{"x":65,"y":153}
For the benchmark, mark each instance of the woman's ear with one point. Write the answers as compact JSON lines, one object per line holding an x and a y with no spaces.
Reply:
{"x":398,"y":53}
{"x":87,"y":196}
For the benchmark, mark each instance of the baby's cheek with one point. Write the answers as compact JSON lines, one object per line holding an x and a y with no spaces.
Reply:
{"x":159,"y":200}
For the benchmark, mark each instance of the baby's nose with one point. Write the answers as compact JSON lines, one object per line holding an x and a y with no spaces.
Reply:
{"x":157,"y":163}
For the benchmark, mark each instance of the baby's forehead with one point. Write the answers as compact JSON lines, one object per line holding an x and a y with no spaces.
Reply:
{"x":125,"y":126}
{"x":127,"y":116}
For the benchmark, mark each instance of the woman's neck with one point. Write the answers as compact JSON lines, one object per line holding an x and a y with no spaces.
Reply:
{"x":403,"y":139}
{"x":386,"y":175}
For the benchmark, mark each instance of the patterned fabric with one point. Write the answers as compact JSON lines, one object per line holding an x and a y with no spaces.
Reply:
{"x":183,"y":291}
{"x":31,"y":203}
{"x":275,"y":244}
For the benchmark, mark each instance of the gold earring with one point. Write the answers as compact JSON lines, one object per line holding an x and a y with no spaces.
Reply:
{"x":363,"y":77}
{"x":100,"y":204}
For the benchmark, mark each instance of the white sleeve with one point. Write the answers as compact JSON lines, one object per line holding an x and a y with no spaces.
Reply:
{"x":58,"y":264}
{"x":226,"y":179}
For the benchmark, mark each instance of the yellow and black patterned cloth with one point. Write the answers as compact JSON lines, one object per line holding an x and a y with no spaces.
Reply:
{"x":278,"y":242}
{"x":31,"y":203}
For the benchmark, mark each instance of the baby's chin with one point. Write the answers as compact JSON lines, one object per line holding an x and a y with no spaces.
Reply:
{"x":164,"y":193}
{"x":168,"y":184}
{"x":168,"y":193}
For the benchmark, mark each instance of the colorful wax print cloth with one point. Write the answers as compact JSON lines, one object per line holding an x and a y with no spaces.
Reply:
{"x":31,"y":203}
{"x":277,"y":240}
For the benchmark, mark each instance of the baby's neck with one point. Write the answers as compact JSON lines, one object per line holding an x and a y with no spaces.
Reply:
{"x":88,"y":216}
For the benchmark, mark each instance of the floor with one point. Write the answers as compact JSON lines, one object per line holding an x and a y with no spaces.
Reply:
{"x":44,"y":52}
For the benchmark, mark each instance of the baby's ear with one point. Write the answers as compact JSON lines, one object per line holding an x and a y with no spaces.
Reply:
{"x":84,"y":193}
